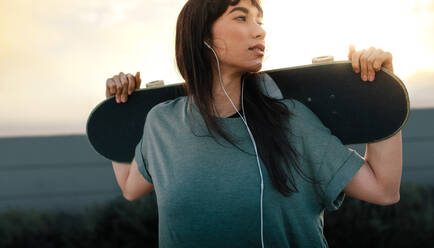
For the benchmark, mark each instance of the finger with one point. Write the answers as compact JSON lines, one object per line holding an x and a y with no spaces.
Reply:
{"x":370,"y":57}
{"x":110,"y":87}
{"x":363,"y":70}
{"x":370,"y":65}
{"x":131,"y":83}
{"x":387,"y":63}
{"x":364,"y":63}
{"x":384,"y":59}
{"x":355,"y":61}
{"x":379,"y":60}
{"x":124,"y":81}
{"x":118,"y":88}
{"x":113,"y":87}
{"x":138,"y":80}
{"x":351,"y":52}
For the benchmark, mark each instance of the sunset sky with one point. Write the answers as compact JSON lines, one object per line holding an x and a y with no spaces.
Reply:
{"x":55,"y":55}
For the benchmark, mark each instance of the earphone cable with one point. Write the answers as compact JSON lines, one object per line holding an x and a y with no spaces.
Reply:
{"x":250,"y":133}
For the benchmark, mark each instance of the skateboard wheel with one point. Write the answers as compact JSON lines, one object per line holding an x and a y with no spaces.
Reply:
{"x":155,"y":83}
{"x":322,"y":59}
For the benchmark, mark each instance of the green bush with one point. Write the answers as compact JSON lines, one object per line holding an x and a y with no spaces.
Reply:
{"x":408,"y":223}
{"x":120,"y":223}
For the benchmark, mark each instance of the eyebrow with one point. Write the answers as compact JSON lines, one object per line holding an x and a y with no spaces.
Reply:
{"x":242,"y":9}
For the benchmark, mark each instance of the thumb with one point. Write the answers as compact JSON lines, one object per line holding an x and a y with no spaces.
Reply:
{"x":138,"y":80}
{"x":351,"y":52}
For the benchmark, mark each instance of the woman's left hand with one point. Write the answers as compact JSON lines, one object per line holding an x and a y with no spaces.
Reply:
{"x":369,"y":61}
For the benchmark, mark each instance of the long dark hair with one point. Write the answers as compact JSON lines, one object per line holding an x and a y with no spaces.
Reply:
{"x":265,"y":113}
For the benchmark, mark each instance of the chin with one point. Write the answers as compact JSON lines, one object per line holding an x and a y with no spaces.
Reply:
{"x":255,"y":68}
{"x":250,"y":68}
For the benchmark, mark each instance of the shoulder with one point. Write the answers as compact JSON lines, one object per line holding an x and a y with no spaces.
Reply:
{"x":168,"y":107}
{"x":302,"y":117}
{"x":167,"y":111}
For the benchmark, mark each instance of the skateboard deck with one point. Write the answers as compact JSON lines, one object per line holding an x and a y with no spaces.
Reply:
{"x":355,"y":111}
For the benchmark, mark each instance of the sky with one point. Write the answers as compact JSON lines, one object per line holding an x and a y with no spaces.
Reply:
{"x":56,"y":55}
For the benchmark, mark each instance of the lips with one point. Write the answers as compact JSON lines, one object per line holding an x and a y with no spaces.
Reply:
{"x":258,"y":50}
{"x":258,"y":47}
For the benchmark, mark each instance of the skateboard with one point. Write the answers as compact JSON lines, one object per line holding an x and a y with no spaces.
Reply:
{"x":355,"y":111}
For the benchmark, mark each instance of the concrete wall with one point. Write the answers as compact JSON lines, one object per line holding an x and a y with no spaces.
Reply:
{"x":60,"y":172}
{"x":64,"y":172}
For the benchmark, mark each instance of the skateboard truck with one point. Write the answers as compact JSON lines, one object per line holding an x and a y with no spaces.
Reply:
{"x":323,"y":59}
{"x":155,"y":83}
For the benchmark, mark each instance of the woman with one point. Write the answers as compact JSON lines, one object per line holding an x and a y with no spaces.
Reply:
{"x":233,"y":167}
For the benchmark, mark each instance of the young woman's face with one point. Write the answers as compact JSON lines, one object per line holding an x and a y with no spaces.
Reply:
{"x":236,"y":33}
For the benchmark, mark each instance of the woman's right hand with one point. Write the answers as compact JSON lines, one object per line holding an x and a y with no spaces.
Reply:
{"x":122,"y":86}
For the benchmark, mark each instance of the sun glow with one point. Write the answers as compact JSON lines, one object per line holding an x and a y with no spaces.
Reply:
{"x":301,"y":30}
{"x":55,"y":55}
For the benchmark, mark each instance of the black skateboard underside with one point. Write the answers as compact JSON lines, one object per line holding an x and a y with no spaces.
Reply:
{"x":355,"y":111}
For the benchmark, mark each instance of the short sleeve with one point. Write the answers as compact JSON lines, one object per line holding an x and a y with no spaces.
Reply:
{"x":141,"y":160}
{"x":333,"y":163}
{"x":339,"y":165}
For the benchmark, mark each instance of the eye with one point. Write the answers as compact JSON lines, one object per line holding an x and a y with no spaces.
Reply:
{"x":244,"y":19}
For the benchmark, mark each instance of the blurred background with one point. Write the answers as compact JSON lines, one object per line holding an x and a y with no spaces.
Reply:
{"x":55,"y":57}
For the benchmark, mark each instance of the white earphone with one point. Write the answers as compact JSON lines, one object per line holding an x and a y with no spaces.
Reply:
{"x":250,"y":133}
{"x":206,"y":44}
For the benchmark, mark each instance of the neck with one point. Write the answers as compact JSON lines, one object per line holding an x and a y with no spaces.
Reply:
{"x":232,"y":84}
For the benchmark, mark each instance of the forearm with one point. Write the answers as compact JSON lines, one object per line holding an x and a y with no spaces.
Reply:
{"x":385,"y":159}
{"x":121,"y":170}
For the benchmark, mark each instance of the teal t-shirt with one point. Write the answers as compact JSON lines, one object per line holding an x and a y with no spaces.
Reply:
{"x":208,"y":195}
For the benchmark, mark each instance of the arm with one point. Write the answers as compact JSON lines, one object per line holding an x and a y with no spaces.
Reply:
{"x":131,"y":181}
{"x":379,"y":179}
{"x":385,"y":158}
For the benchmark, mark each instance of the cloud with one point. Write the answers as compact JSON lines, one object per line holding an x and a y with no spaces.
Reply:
{"x":55,"y":55}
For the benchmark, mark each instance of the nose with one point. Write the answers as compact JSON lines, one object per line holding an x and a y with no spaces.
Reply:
{"x":259,"y":32}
